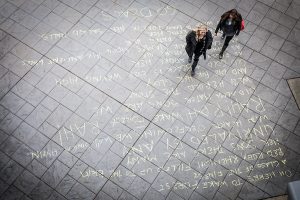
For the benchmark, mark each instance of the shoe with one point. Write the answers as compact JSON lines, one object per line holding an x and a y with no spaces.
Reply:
{"x":190,"y":59}
{"x":220,"y":56}
{"x":193,"y":73}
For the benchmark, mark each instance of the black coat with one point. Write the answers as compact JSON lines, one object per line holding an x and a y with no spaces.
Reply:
{"x":237,"y":24}
{"x":191,"y":43}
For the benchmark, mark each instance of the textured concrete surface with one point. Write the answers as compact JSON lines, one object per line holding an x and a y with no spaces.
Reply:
{"x":97,"y":101}
{"x":294,"y":84}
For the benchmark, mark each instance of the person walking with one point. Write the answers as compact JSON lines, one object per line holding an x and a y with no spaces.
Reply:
{"x":197,"y":42}
{"x":230,"y":23}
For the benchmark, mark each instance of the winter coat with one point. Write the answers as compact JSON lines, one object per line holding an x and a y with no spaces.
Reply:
{"x":236,"y":26}
{"x":191,"y":43}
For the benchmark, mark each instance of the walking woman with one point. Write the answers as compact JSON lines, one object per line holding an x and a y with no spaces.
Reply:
{"x":230,"y":24}
{"x":197,"y":42}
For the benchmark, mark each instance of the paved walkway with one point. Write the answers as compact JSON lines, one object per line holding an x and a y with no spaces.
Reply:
{"x":97,"y":101}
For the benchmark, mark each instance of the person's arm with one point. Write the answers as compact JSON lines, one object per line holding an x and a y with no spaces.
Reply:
{"x":218,"y":26}
{"x":188,"y":37}
{"x":209,"y":39}
{"x":238,"y":30}
{"x":239,"y":24}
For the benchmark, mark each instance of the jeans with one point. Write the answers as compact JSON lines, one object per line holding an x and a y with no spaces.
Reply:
{"x":226,"y":43}
{"x":196,"y":59}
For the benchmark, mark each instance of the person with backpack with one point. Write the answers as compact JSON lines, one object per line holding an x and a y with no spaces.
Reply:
{"x":231,"y":23}
{"x":197,"y":42}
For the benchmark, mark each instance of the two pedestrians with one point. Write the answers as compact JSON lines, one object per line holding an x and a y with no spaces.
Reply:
{"x":200,"y":39}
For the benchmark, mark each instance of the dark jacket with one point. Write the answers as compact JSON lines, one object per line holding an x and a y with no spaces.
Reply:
{"x":191,"y":42}
{"x":237,"y":24}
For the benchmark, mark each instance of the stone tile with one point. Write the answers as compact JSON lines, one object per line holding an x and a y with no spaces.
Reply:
{"x":38,"y":141}
{"x":47,"y":129}
{"x":138,"y":187}
{"x":10,"y":123}
{"x":255,"y":17}
{"x":266,"y":93}
{"x":291,"y":48}
{"x":65,"y":185}
{"x":294,"y":34}
{"x":80,"y":191}
{"x":282,"y":31}
{"x":287,"y":21}
{"x":7,"y":9}
{"x":275,"y":41}
{"x":15,"y":65}
{"x":12,"y":193}
{"x":67,"y":158}
{"x":288,"y":121}
{"x":260,"y":60}
{"x":35,"y":97}
{"x":3,"y":136}
{"x":255,"y":43}
{"x":102,"y":195}
{"x":12,"y":102}
{"x":160,"y":180}
{"x":52,"y":19}
{"x":276,"y":70}
{"x":293,"y":142}
{"x":7,"y":82}
{"x":126,"y":195}
{"x":279,"y":6}
{"x":112,"y":189}
{"x":41,"y":11}
{"x":25,"y":111}
{"x":38,"y":116}
{"x":71,"y":101}
{"x":59,"y":116}
{"x":48,"y":154}
{"x":281,"y":102}
{"x":22,"y":155}
{"x":269,"y":24}
{"x":41,"y":191}
{"x":26,"y":182}
{"x":262,"y":33}
{"x":11,"y":171}
{"x":4,"y":187}
{"x":36,"y":168}
{"x":55,"y":173}
{"x":248,"y":190}
{"x":47,"y":83}
{"x":283,"y":88}
{"x":49,"y":103}
{"x":3,"y":71}
{"x":56,"y":195}
{"x":24,"y":132}
{"x":269,"y":51}
{"x":270,"y":81}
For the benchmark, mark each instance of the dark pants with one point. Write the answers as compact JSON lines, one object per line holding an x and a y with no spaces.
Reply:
{"x":196,"y":59}
{"x":226,"y":43}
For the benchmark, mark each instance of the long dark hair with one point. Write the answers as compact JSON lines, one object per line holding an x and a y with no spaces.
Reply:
{"x":236,"y":16}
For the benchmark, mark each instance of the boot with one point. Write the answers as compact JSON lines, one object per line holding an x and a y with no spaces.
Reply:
{"x":193,"y":67}
{"x":223,"y":36}
{"x":222,"y":52}
{"x":193,"y":72}
{"x":190,"y":59}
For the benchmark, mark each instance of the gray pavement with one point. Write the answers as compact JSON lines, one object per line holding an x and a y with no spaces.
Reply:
{"x":97,"y":101}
